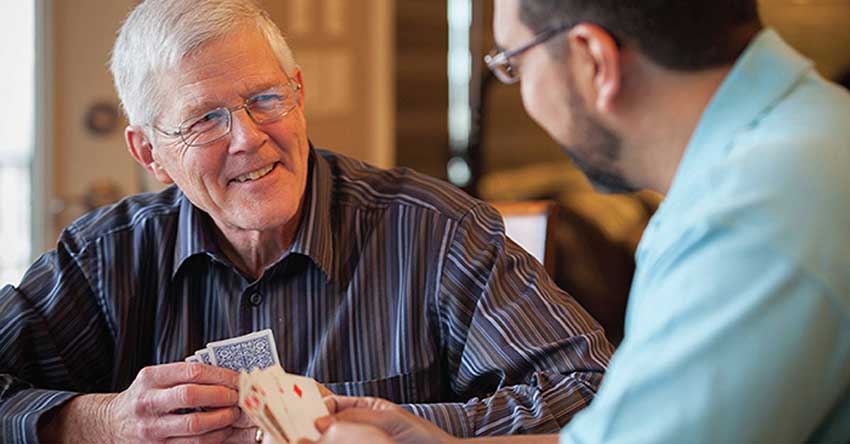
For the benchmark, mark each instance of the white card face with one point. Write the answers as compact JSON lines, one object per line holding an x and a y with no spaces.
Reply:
{"x":247,"y":406}
{"x":248,"y":352}
{"x":249,"y":402}
{"x":268,"y":379}
{"x":293,"y":402}
{"x":304,"y":402}
{"x":253,"y":399}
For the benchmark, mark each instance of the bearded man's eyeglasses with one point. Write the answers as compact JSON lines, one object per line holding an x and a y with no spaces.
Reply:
{"x":499,"y":61}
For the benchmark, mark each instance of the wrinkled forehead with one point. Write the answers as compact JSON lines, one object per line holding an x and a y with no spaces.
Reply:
{"x":508,"y":29}
{"x":221,"y":72}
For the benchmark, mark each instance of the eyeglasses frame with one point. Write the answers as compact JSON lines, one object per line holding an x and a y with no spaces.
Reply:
{"x":495,"y":61}
{"x":293,"y":84}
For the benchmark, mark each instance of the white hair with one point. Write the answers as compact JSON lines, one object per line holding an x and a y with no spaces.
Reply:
{"x":158,"y":34}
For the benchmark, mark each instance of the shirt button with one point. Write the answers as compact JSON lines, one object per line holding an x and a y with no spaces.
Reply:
{"x":255,"y":299}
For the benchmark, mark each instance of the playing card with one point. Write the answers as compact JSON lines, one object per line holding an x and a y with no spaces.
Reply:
{"x":267,"y":380}
{"x":204,"y":355}
{"x":192,"y":358}
{"x":254,"y":350}
{"x":253,"y":400}
{"x":303,"y":403}
{"x":282,"y":404}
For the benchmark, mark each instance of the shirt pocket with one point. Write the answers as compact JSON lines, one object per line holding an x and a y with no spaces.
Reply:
{"x":420,"y":386}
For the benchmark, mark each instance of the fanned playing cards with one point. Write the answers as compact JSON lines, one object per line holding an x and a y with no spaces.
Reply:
{"x":283,"y":405}
{"x":247,"y":352}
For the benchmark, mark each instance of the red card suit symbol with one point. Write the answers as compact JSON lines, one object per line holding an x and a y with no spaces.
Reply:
{"x":252,"y":402}
{"x":297,"y":390}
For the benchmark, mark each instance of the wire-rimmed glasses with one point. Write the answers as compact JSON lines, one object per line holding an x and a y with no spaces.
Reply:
{"x":265,"y":107}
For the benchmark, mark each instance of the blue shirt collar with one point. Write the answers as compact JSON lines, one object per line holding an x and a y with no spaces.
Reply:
{"x":315,"y":238}
{"x":195,"y":235}
{"x":765,"y":73}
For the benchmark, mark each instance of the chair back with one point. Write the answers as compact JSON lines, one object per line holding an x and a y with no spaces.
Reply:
{"x":530,"y":225}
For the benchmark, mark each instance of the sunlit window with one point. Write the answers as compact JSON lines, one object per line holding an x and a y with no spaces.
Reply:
{"x":17,"y":118}
{"x":460,"y":75}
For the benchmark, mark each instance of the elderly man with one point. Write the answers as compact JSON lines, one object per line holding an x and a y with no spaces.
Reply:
{"x":739,"y":319}
{"x":383,"y":283}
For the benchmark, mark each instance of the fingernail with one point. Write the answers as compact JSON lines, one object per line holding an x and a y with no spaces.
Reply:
{"x":323,"y":423}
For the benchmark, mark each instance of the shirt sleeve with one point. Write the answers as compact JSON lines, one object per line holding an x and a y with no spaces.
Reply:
{"x":728,"y":341}
{"x":53,"y":344}
{"x":522,"y":355}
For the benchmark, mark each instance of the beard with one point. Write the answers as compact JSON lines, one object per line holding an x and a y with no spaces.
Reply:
{"x":602,"y":180}
{"x":601,"y":143}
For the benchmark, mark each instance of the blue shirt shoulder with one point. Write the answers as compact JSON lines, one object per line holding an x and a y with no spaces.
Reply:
{"x":129,"y":214}
{"x":359,"y":184}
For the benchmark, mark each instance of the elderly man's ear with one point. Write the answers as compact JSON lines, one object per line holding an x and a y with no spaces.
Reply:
{"x":301,"y":91}
{"x":141,"y":149}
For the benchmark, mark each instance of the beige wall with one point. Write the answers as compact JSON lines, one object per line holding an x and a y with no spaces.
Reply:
{"x":83,"y":31}
{"x":344,"y":47}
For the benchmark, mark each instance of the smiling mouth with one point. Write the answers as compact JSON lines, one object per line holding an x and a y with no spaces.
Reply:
{"x":254,"y":175}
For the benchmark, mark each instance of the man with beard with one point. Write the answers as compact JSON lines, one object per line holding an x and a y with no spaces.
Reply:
{"x":738,"y":325}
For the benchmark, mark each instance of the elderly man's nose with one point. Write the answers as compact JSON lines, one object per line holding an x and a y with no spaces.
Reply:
{"x":245,"y":133}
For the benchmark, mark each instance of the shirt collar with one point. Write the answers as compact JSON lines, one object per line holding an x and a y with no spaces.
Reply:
{"x":765,"y":73}
{"x":196,"y":236}
{"x":314,"y":238}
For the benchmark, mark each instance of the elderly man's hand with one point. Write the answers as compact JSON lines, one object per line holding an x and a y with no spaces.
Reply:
{"x":375,"y":420}
{"x":148,"y":410}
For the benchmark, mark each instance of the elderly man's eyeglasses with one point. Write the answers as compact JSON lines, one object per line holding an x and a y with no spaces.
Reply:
{"x":266,"y":107}
{"x":500,"y":61}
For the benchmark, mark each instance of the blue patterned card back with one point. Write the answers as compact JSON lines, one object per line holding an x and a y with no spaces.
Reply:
{"x":253,"y":351}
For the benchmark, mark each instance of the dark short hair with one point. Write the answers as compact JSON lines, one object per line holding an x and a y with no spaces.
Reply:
{"x":678,"y":34}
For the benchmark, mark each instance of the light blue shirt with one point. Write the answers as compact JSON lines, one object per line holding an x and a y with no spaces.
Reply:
{"x":738,"y":325}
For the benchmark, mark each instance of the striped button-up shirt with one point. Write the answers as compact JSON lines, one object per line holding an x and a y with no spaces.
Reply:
{"x":396,"y":285}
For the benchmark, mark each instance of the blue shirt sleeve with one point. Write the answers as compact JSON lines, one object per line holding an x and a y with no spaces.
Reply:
{"x":53,"y":344}
{"x":522,"y":355}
